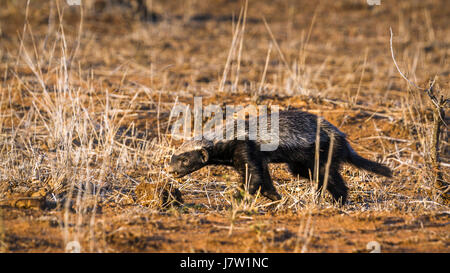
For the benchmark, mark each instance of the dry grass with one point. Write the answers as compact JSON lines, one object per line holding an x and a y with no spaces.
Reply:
{"x":85,"y":114}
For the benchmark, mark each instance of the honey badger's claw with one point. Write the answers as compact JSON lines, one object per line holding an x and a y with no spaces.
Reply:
{"x":272,"y":195}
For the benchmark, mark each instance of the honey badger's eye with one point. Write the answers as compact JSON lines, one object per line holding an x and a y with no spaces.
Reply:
{"x":185,"y":161}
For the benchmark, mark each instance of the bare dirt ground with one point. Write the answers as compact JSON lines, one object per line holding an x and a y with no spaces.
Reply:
{"x":85,"y":115}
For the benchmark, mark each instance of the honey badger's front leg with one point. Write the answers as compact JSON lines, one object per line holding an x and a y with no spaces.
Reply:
{"x":251,"y":165}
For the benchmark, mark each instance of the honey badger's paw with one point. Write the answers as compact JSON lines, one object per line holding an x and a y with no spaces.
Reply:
{"x":272,"y":195}
{"x":266,"y":190}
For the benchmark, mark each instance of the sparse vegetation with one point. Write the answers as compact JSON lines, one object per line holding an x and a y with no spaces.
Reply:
{"x":86,"y":101}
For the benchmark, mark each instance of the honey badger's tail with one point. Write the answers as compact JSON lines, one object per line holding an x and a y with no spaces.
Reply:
{"x":366,"y":164}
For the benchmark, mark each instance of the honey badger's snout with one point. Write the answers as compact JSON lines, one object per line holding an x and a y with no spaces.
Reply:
{"x":187,"y":162}
{"x":175,"y":167}
{"x":172,"y":169}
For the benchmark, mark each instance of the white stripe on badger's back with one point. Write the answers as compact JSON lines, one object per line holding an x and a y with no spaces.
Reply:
{"x":192,"y":145}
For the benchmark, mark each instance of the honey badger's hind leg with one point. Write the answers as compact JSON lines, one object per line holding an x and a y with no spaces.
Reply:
{"x":335,"y":184}
{"x":337,"y":187}
{"x":298,"y":169}
{"x":250,"y":163}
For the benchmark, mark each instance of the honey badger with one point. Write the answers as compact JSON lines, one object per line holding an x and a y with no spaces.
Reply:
{"x":296,"y":148}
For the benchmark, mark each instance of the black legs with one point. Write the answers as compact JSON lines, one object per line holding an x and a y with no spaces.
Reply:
{"x":249,"y":162}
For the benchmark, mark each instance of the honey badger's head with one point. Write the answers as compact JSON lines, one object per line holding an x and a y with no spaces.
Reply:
{"x":191,"y":156}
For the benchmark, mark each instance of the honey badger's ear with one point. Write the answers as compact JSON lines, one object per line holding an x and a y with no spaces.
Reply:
{"x":204,"y":155}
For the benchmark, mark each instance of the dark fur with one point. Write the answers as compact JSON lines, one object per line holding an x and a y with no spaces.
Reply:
{"x":297,"y":137}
